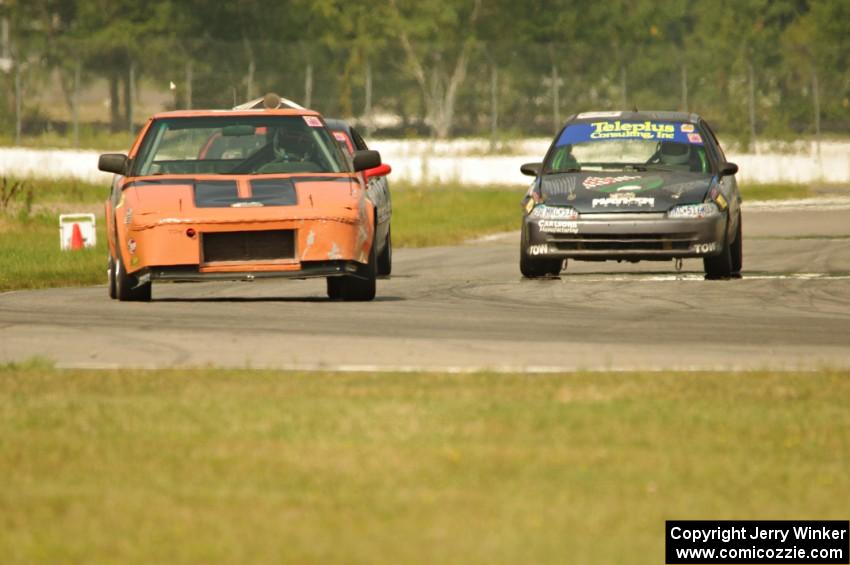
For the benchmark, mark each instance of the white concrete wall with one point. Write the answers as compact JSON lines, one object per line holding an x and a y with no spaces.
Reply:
{"x":51,"y":163}
{"x":468,"y":161}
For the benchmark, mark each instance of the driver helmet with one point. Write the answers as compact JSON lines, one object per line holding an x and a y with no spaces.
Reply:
{"x":674,"y":153}
{"x":279,"y":144}
{"x":290,"y":145}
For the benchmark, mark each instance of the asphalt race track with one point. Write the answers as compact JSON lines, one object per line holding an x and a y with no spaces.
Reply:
{"x":466,"y":308}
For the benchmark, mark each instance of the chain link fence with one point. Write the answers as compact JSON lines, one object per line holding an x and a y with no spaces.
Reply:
{"x":497,"y":91}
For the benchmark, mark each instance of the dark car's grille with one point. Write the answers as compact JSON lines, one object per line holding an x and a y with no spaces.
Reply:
{"x":623,"y":242}
{"x":249,"y":245}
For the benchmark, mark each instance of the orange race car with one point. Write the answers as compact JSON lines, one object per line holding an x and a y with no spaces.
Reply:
{"x":240,"y":195}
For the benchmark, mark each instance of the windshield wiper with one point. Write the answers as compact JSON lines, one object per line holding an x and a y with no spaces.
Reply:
{"x":559,"y":171}
{"x":657,"y":167}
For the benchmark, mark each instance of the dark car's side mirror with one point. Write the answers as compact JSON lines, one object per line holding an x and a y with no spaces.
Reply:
{"x":113,"y":163}
{"x":366,"y":159}
{"x":379,"y":171}
{"x":531,"y":169}
{"x":728,"y":169}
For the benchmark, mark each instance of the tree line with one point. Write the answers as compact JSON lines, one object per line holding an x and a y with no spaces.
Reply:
{"x":755,"y":68}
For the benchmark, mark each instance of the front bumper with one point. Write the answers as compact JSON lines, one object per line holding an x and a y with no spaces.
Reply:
{"x":274,"y":247}
{"x":624,"y":236}
{"x":307,"y":270}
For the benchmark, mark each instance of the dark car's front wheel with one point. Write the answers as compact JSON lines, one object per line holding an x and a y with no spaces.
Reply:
{"x":737,"y":250}
{"x":728,"y":262}
{"x":110,"y":277}
{"x":532,"y":268}
{"x":539,"y":268}
{"x":385,"y":259}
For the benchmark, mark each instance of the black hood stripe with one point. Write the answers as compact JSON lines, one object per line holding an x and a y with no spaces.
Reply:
{"x":191,"y":181}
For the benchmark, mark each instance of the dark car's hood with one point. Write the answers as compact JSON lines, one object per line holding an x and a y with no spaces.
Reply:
{"x":652,"y":191}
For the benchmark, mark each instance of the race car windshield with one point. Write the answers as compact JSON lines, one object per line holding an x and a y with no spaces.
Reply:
{"x":239,"y":145}
{"x":616,"y":145}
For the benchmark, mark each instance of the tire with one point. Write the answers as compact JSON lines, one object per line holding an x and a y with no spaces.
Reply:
{"x":110,"y":276}
{"x":334,"y":288}
{"x":738,"y":249}
{"x":536,"y":268}
{"x":356,"y":289}
{"x":385,"y":259}
{"x":720,"y":266}
{"x":539,"y":268}
{"x":124,"y":284}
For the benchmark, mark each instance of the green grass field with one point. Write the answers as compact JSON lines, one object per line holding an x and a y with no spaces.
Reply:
{"x":449,"y":215}
{"x":775,"y":191}
{"x":208,"y":466}
{"x":30,"y":256}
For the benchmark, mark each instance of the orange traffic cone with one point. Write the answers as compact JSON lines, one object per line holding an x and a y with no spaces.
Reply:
{"x":76,"y":237}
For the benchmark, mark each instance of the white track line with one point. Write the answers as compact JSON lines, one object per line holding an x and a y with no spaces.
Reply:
{"x":453,"y":369}
{"x":493,"y":237}
{"x":638,"y":277}
{"x":835,"y":203}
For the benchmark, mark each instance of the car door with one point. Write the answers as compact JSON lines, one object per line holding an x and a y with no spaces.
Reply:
{"x":378,"y":190}
{"x":728,"y":184}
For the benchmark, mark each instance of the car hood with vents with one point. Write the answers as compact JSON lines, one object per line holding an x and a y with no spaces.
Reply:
{"x":624,"y":191}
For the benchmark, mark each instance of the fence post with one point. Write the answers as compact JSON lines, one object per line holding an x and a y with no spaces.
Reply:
{"x":367,"y":106}
{"x":308,"y":86}
{"x":131,"y":95}
{"x":76,"y":97}
{"x":250,"y":79}
{"x":752,"y":105}
{"x":624,"y":87}
{"x":189,"y":85}
{"x":494,"y":105}
{"x":816,"y":103}
{"x":556,"y":103}
{"x":18,"y":90}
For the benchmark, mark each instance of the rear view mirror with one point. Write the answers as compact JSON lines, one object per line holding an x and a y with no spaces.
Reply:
{"x":366,"y":159}
{"x":379,"y":171}
{"x":531,"y":169}
{"x":113,"y":163}
{"x":237,"y":131}
{"x":728,"y":169}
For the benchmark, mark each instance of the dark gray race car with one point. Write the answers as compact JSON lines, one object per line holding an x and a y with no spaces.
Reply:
{"x":632,"y":186}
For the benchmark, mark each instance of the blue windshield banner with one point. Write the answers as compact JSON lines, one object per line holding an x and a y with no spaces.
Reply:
{"x":679,"y":132}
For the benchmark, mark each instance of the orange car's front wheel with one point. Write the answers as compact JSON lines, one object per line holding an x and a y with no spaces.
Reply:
{"x":356,"y":289}
{"x":127,"y":288}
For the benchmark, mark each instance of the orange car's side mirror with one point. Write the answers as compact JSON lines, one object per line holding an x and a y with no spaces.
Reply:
{"x":113,"y":163}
